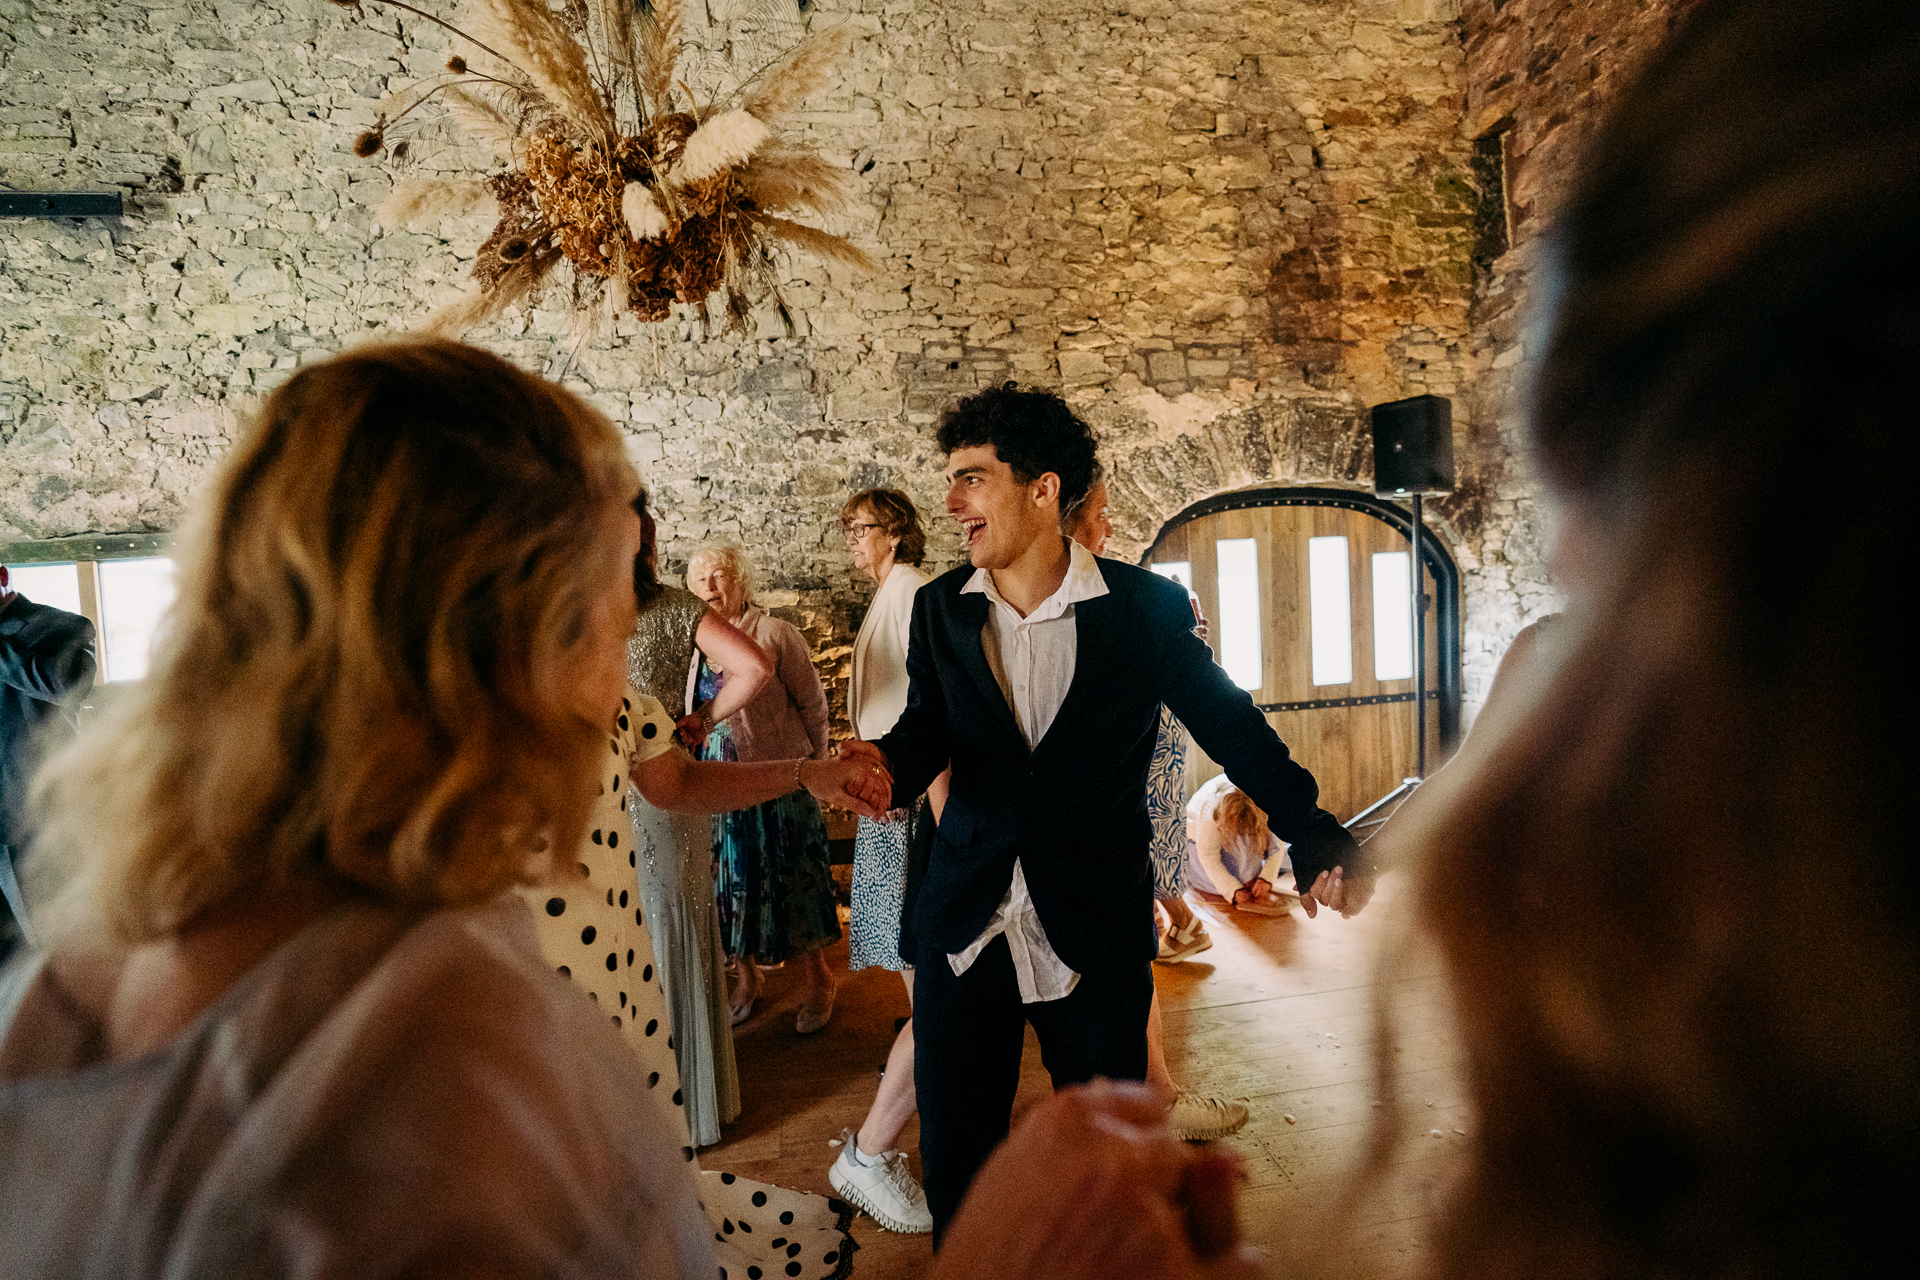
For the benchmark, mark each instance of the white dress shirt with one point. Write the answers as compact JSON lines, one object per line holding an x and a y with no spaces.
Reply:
{"x":1032,"y":659}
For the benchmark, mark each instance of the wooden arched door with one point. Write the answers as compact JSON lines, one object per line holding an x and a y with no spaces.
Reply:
{"x":1305,"y":592}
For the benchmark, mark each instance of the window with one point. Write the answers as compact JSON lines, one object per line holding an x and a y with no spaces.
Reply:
{"x":1239,"y":566}
{"x":57,"y":585}
{"x":1180,"y":571}
{"x":134,"y":598}
{"x":1392,"y":617}
{"x":1330,"y":610}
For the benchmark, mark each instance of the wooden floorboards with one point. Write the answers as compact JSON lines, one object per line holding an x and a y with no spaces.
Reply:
{"x":1281,"y":1012}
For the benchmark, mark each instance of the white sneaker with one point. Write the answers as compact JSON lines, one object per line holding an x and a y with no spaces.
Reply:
{"x":884,"y":1190}
{"x":1196,"y":1119}
{"x":1178,"y":944}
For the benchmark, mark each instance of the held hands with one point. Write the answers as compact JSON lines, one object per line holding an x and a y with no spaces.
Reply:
{"x":1255,"y":890}
{"x":1093,"y":1185}
{"x":857,"y":784}
{"x":692,"y":730}
{"x":1332,"y":889}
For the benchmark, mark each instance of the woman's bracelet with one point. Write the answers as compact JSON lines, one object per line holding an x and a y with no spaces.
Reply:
{"x":797,"y":784}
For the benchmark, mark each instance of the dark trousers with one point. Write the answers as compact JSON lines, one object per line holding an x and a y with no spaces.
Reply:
{"x":968,"y":1032}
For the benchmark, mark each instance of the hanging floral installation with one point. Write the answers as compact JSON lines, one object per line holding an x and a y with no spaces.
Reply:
{"x":608,"y":161}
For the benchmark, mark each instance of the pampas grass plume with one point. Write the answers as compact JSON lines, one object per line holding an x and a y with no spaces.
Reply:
{"x":722,"y":142}
{"x":418,"y":199}
{"x":643,"y":215}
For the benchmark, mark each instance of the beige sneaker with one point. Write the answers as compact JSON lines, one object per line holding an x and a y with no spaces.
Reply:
{"x":1178,"y":944}
{"x":1197,"y":1119}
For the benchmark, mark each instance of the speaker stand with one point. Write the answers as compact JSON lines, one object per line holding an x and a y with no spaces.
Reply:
{"x":1408,"y":786}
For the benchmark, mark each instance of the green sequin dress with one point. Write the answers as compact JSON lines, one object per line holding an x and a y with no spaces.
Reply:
{"x":673,"y":854}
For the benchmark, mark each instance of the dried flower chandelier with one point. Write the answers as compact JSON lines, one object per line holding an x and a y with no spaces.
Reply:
{"x":611,"y":164}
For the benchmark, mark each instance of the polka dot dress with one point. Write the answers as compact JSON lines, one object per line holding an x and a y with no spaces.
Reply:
{"x":592,"y":930}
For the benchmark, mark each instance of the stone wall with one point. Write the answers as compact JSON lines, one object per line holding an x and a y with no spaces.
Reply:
{"x":1222,"y":227}
{"x":1540,"y":76}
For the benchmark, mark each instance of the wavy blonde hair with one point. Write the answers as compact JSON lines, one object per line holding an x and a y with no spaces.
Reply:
{"x":362,"y":678}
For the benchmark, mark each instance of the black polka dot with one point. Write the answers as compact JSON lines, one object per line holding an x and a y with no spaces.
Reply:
{"x":717,"y":1236}
{"x":678,"y":1101}
{"x":626,"y":704}
{"x":746,"y":1226}
{"x":587,"y":935}
{"x":780,"y":1242}
{"x":836,"y":1205}
{"x":723,"y":1273}
{"x":616,"y":787}
{"x":609,"y":897}
{"x":687,"y":1152}
{"x":727,"y":1178}
{"x":753,"y":1273}
{"x":653,"y":1024}
{"x":565,"y":972}
{"x":786,"y":1217}
{"x":629,"y":957}
{"x":623,"y":719}
{"x":594,"y":996}
{"x":613,"y":962}
{"x":670,"y":1043}
{"x":649,"y":730}
{"x":613,"y":842}
{"x":646,"y":972}
{"x":616,"y":1019}
{"x":599,"y":837}
{"x":759,"y":1199}
{"x":613,"y":744}
{"x":793,"y":1251}
{"x":653,"y":1078}
{"x":794,"y":1268}
{"x":556,"y":906}
{"x":831,"y":1256}
{"x":636,"y":915}
{"x":726,"y":1224}
{"x":623,"y":999}
{"x":623,"y":892}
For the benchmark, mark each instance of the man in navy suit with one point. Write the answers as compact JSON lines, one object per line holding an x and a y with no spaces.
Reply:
{"x":1038,"y":672}
{"x":46,"y":654}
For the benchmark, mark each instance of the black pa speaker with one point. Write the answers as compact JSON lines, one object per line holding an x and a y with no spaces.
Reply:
{"x":1413,"y":446}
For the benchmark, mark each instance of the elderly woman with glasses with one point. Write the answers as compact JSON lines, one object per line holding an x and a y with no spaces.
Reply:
{"x":774,"y":881}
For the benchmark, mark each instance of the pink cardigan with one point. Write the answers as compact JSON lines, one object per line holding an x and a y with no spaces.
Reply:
{"x":788,"y":717}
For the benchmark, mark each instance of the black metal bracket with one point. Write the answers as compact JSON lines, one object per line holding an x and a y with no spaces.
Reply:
{"x":60,"y":204}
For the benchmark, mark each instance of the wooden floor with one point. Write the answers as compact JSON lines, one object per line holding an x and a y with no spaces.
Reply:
{"x":1279,"y":1012}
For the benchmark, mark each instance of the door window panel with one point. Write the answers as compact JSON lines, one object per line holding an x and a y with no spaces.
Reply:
{"x":134,"y":598}
{"x":57,"y":585}
{"x":1330,"y":610}
{"x":1238,"y":560}
{"x":1392,"y":617}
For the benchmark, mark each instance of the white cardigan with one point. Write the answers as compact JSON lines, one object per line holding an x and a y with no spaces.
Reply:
{"x":877,"y":694}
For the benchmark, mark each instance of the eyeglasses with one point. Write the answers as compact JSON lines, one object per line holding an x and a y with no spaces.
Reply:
{"x":858,"y":529}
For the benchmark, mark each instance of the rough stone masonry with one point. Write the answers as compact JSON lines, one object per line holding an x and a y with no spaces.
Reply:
{"x":1221,"y":227}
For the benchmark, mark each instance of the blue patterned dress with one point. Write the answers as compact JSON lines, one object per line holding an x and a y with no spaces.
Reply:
{"x":1167,"y":807}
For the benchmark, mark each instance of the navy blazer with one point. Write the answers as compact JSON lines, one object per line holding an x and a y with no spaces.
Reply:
{"x":1074,"y":808}
{"x":46,"y":655}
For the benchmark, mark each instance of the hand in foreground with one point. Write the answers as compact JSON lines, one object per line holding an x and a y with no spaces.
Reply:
{"x":865,"y":788}
{"x":1335,"y":891}
{"x":862,"y":752}
{"x":1093,"y":1185}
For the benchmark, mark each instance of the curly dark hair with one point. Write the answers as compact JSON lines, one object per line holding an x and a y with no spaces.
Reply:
{"x":895,"y":513}
{"x":1033,"y":432}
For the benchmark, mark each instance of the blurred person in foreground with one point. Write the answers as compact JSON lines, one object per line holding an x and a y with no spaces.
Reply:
{"x":1673,"y":884}
{"x":290,"y":1020}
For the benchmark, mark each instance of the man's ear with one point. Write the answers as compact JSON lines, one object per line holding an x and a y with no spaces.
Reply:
{"x":1045,"y":490}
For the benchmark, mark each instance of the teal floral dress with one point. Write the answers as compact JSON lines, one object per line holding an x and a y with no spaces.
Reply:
{"x":773,"y":879}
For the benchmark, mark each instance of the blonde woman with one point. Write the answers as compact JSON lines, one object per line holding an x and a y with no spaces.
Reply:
{"x":290,"y":1022}
{"x":1232,"y":856}
{"x":774,"y":879}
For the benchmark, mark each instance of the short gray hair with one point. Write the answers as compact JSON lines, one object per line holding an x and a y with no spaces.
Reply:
{"x":726,"y":554}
